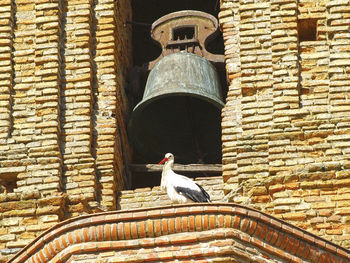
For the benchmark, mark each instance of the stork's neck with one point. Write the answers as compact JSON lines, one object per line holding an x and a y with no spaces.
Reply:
{"x":166,"y":169}
{"x":168,"y":165}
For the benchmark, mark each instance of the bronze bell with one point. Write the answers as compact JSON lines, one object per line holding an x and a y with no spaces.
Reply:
{"x":180,"y":111}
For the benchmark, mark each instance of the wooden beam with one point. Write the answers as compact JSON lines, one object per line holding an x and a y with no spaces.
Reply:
{"x":193,"y":168}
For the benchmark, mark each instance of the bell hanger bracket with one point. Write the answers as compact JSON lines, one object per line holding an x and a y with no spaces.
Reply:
{"x":187,"y":30}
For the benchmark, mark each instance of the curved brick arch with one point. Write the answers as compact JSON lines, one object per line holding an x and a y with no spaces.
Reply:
{"x":181,"y":224}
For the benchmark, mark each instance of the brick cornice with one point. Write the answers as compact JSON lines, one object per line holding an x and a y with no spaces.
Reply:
{"x":118,"y":229}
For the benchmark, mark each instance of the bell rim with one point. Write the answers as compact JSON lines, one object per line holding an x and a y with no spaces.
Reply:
{"x":211,"y":99}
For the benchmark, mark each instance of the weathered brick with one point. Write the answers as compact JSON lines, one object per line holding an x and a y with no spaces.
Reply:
{"x":287,"y":201}
{"x":63,"y":114}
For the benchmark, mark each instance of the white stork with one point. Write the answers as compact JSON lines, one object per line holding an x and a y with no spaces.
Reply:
{"x":179,"y":188}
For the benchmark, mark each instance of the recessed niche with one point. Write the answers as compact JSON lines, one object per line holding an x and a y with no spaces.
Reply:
{"x":8,"y":184}
{"x":307,"y":29}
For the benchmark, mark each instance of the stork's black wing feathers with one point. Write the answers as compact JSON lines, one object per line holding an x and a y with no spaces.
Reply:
{"x":205,"y":193}
{"x":196,"y":196}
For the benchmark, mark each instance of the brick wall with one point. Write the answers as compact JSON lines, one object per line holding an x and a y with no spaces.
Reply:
{"x":25,"y":216}
{"x":286,"y":120}
{"x":216,"y":232}
{"x":63,"y":142}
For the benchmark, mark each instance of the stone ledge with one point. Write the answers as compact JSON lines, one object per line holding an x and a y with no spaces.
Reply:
{"x":115,"y":230}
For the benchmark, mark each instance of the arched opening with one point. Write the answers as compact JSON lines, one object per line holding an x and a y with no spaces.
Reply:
{"x":145,"y":49}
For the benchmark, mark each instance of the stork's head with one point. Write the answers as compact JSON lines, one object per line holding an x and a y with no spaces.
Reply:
{"x":167,"y":158}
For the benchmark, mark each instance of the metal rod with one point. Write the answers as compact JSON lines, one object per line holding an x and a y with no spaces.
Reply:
{"x":137,"y":23}
{"x":195,"y":168}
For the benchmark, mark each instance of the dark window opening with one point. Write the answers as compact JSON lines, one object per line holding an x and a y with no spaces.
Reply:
{"x":183,"y":33}
{"x":8,"y":184}
{"x":145,"y":49}
{"x":307,"y":29}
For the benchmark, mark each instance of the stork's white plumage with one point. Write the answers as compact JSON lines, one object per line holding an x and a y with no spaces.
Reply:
{"x":179,"y":188}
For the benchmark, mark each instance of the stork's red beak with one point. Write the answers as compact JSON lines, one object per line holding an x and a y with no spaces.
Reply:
{"x":163,"y":161}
